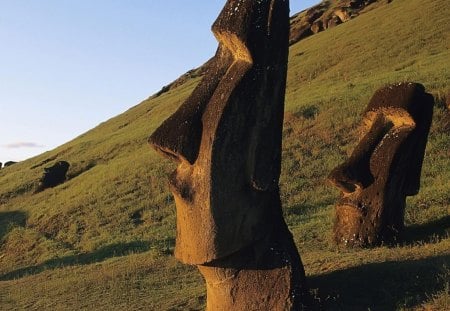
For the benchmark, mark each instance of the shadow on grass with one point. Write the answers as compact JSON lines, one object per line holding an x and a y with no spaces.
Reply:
{"x":428,"y":232}
{"x":304,"y":209}
{"x":382,"y":286}
{"x":9,"y":220}
{"x":109,"y":251}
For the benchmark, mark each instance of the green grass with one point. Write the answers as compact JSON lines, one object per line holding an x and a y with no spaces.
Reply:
{"x":105,"y":238}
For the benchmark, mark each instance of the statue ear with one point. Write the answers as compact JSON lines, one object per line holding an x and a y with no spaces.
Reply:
{"x":266,"y":136}
{"x":414,"y":147}
{"x":266,"y":153}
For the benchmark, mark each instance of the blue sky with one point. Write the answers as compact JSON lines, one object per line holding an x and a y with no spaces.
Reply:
{"x":67,"y":65}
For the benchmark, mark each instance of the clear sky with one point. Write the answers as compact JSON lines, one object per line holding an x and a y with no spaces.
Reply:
{"x":67,"y":65}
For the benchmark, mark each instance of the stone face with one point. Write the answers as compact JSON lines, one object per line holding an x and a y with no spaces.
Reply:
{"x":54,"y":175}
{"x":226,"y":140}
{"x":384,"y":167}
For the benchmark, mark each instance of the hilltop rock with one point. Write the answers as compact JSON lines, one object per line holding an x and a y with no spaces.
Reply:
{"x":54,"y":175}
{"x":326,"y":15}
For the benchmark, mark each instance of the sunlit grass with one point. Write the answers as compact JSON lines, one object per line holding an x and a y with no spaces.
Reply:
{"x":105,"y":238}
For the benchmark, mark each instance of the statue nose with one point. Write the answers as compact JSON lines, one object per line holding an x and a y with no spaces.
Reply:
{"x":179,"y":136}
{"x":356,"y":172}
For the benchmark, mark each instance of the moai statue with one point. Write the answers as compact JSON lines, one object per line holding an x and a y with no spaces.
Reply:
{"x":53,"y":175}
{"x":384,"y":167}
{"x":226,"y":139}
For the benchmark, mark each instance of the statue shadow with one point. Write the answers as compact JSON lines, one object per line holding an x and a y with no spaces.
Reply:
{"x":381,"y":286}
{"x":305,"y":209}
{"x":9,"y":220}
{"x":102,"y":254}
{"x":429,"y":232}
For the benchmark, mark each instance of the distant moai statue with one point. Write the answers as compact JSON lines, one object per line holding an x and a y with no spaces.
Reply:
{"x":53,"y":175}
{"x":226,"y":139}
{"x":384,"y":167}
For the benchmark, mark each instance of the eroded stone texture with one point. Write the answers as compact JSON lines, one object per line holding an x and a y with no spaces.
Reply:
{"x":54,"y":175}
{"x":226,"y":139}
{"x":384,"y":167}
{"x":326,"y":14}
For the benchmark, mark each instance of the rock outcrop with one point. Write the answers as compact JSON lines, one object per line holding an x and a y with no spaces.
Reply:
{"x":54,"y":175}
{"x":384,"y":167}
{"x":9,"y":163}
{"x":326,"y":14}
{"x":226,"y":140}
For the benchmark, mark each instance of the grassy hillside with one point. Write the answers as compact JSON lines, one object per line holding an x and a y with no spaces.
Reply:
{"x":104,"y":239}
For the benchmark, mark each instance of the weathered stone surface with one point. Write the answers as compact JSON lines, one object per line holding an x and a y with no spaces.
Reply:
{"x":226,"y":139}
{"x":343,"y":14}
{"x":384,"y":167}
{"x":333,"y":21}
{"x":317,"y":26}
{"x":54,"y":175}
{"x":9,"y":163}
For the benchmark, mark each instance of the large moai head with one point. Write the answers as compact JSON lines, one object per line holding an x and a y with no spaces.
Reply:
{"x":384,"y":167}
{"x":226,"y":137}
{"x":226,"y":140}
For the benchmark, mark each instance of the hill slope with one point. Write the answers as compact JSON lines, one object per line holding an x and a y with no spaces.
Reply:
{"x":104,"y":238}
